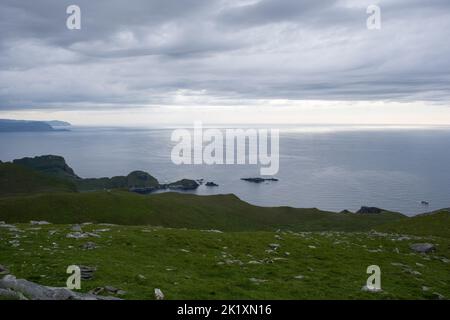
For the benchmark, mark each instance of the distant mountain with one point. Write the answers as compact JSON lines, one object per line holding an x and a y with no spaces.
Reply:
{"x":7,"y":125}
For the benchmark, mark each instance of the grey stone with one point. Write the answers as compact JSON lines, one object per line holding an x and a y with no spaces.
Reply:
{"x":371,"y":289}
{"x":89,"y":246}
{"x":76,"y":228}
{"x":39,"y":223}
{"x":77,"y":235}
{"x":423,"y":247}
{"x":159,"y":295}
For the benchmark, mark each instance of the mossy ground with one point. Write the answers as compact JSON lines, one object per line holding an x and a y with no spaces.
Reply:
{"x":195,"y":264}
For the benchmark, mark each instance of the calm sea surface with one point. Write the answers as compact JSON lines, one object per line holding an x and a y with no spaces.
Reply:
{"x":328,"y":167}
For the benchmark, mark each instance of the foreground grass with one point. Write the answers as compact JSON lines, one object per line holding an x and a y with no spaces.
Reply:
{"x":195,"y":264}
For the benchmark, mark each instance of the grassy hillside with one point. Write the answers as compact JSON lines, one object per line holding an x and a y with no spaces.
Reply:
{"x":436,"y":224}
{"x":175,"y":210}
{"x":16,"y":179}
{"x":51,"y":165}
{"x":194,"y":264}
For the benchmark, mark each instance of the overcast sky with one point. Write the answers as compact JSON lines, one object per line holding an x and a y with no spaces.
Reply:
{"x":169,"y":61}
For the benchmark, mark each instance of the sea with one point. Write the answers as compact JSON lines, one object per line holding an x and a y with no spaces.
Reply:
{"x":330,"y":167}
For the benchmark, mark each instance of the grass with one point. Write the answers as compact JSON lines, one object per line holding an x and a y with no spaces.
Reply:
{"x":437,"y":224}
{"x":16,"y":179}
{"x":195,"y":264}
{"x":175,"y":210}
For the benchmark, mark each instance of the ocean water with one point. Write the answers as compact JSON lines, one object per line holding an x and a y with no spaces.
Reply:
{"x":328,"y":167}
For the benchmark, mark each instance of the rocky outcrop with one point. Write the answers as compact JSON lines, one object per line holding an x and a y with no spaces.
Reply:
{"x":184,"y":184}
{"x":369,"y":210}
{"x":20,"y":289}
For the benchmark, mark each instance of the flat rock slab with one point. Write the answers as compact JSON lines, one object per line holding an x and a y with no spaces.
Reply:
{"x":423,"y":247}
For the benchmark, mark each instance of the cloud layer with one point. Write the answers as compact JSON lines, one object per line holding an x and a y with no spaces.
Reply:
{"x":220,"y":52}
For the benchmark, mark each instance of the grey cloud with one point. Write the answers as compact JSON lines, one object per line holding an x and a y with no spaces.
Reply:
{"x":150,"y":52}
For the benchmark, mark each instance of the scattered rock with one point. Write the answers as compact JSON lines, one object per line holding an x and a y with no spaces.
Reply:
{"x":159,"y":295}
{"x":257,"y":281}
{"x":82,"y":235}
{"x":114,"y":290}
{"x":212,"y":231}
{"x":370,"y":289}
{"x":89,"y":246}
{"x":437,"y":296}
{"x":211,"y":184}
{"x":39,"y":223}
{"x":7,"y":226}
{"x":77,"y":235}
{"x":423,"y":247}
{"x":76,"y":228}
{"x":102,"y":230}
{"x":274,"y":246}
{"x":14,"y":243}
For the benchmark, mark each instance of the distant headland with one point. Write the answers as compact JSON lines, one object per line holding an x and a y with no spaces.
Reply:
{"x":9,"y":125}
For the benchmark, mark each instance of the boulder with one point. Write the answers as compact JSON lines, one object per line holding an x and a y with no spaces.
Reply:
{"x":423,"y":247}
{"x":211,"y":184}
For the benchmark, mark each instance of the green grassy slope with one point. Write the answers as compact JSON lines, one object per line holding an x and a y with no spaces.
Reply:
{"x":436,"y":224}
{"x":193,"y":264}
{"x":175,"y":210}
{"x":16,"y":179}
